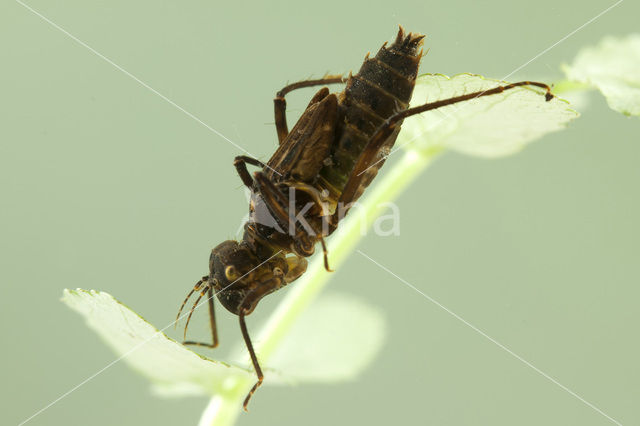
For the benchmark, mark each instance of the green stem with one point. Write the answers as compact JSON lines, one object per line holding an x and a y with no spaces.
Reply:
{"x":223,"y":411}
{"x":564,"y":86}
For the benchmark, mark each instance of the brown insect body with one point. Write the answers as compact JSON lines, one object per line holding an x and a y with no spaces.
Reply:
{"x":382,"y":88}
{"x":317,"y":157}
{"x":319,"y":168}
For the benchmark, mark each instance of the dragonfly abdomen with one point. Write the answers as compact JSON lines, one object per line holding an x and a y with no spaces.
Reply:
{"x":382,"y":87}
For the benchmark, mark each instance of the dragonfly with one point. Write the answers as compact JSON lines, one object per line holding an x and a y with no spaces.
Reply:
{"x":319,"y":169}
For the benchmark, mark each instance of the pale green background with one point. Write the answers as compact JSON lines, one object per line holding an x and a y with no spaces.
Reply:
{"x":105,"y":185}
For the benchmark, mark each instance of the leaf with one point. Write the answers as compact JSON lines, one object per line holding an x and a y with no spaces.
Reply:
{"x":335,"y":339}
{"x":489,"y":126}
{"x":613,"y":67}
{"x":174,"y":369}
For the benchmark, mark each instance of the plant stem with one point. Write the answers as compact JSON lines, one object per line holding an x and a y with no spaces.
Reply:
{"x":223,"y":411}
{"x":567,"y":86}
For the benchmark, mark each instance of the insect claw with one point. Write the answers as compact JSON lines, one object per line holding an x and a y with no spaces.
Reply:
{"x":195,"y":288}
{"x":191,"y":313}
{"x":184,"y":302}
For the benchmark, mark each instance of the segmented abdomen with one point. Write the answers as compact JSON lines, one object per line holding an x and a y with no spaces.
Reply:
{"x":381,"y":88}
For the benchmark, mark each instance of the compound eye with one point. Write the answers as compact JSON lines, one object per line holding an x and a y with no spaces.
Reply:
{"x":277,"y":271}
{"x":231,"y":273}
